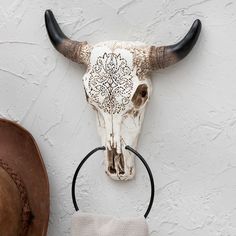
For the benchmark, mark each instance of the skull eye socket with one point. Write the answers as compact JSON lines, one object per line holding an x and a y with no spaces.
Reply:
{"x":140,"y":96}
{"x":143,"y":93}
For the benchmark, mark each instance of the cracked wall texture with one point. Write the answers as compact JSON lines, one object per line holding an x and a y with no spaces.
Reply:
{"x":189,"y":132}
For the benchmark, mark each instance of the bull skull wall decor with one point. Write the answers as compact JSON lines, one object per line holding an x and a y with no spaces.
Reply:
{"x":117,"y":84}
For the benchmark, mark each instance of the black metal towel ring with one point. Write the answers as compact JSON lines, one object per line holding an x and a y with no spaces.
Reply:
{"x":103,"y":148}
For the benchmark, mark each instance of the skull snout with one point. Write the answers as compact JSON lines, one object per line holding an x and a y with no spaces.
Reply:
{"x":118,"y":165}
{"x":115,"y":162}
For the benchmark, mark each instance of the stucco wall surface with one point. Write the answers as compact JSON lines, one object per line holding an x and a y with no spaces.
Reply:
{"x":189,"y":131}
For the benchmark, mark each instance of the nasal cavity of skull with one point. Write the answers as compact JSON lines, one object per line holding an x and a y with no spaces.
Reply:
{"x":115,"y":162}
{"x":140,"y":96}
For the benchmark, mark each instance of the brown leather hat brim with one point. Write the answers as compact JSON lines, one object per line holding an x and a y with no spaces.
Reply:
{"x":19,"y":150}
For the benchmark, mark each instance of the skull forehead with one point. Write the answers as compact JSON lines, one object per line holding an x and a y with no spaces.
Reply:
{"x":116,"y":56}
{"x":125,"y":49}
{"x":133,"y":52}
{"x":112,"y":79}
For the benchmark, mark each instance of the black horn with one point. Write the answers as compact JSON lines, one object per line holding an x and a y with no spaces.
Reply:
{"x":165,"y":56}
{"x":69,"y":48}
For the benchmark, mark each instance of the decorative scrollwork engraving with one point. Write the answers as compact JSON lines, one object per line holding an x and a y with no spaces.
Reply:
{"x":110,"y":83}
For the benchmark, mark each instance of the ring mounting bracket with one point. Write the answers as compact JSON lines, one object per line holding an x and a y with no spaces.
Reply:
{"x":103,"y":148}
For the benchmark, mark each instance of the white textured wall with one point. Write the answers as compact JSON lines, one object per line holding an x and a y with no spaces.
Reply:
{"x":189,"y":133}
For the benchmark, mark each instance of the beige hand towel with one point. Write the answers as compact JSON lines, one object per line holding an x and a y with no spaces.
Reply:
{"x":84,"y":224}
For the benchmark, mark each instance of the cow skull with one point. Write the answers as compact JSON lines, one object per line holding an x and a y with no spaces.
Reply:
{"x":117,"y":84}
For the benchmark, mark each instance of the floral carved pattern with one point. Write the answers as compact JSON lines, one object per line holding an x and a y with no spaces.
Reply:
{"x":110,"y":83}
